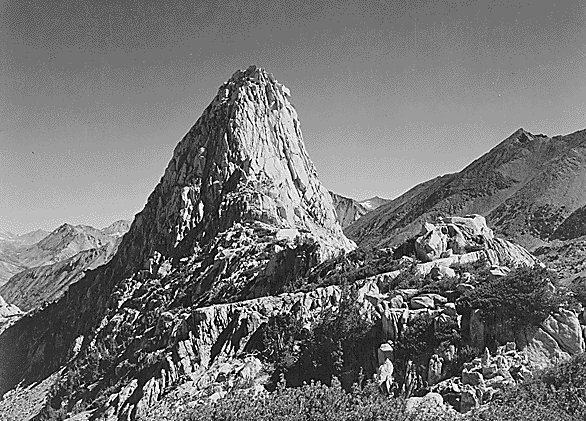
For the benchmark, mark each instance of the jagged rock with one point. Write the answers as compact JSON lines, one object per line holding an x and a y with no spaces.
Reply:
{"x":239,"y":213}
{"x":385,"y":376}
{"x":347,"y":210}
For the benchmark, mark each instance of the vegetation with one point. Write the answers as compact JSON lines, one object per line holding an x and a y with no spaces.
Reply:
{"x":525,"y":296}
{"x":558,"y":393}
{"x":311,"y":402}
{"x":334,"y":346}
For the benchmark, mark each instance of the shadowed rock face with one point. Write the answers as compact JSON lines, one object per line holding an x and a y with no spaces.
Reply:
{"x":238,"y":213}
{"x":348,"y":210}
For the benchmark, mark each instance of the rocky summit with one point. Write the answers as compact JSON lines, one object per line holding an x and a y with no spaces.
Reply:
{"x":527,"y":186}
{"x":239,"y":213}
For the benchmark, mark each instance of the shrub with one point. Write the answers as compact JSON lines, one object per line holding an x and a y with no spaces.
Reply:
{"x":313,"y":402}
{"x":525,"y":296}
{"x":558,"y":393}
{"x":336,"y":344}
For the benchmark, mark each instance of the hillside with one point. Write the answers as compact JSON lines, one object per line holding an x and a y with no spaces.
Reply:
{"x":526,"y":187}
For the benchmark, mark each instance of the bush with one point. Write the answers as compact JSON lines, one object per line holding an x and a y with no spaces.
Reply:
{"x":556,"y":394}
{"x":313,"y":402}
{"x":524,"y":297}
{"x":342,"y":342}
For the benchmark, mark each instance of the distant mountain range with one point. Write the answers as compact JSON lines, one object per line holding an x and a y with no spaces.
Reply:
{"x":39,"y":265}
{"x":529,"y":187}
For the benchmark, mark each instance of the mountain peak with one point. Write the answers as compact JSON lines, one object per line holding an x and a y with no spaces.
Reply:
{"x":243,"y":161}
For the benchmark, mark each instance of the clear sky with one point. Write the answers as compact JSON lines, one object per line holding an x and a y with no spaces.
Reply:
{"x":95,"y":94}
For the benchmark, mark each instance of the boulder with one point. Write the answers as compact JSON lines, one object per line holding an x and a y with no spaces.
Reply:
{"x":385,"y":376}
{"x":422,"y":301}
{"x":469,"y":399}
{"x":499,"y":271}
{"x":473,"y":378}
{"x":396,"y":301}
{"x":428,"y":404}
{"x":385,"y":352}
{"x":564,"y":327}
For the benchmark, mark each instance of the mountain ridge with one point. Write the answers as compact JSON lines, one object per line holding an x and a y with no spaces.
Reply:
{"x":525,"y":186}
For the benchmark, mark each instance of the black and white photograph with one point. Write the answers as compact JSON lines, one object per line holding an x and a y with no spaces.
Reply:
{"x":301,"y":210}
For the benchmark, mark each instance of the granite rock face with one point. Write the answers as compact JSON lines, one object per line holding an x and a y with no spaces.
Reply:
{"x":239,"y":213}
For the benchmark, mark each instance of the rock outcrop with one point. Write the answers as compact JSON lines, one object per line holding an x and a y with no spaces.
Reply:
{"x":456,"y":241}
{"x":9,"y":314}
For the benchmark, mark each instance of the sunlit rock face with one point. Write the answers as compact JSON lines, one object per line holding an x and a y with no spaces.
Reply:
{"x":239,"y":213}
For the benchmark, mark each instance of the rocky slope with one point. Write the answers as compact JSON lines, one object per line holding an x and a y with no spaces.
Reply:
{"x":9,"y":314}
{"x":526,"y":186}
{"x":189,"y":354}
{"x":372,"y":203}
{"x":238,"y":213}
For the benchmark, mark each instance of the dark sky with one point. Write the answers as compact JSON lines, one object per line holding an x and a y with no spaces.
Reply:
{"x":94,"y":95}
